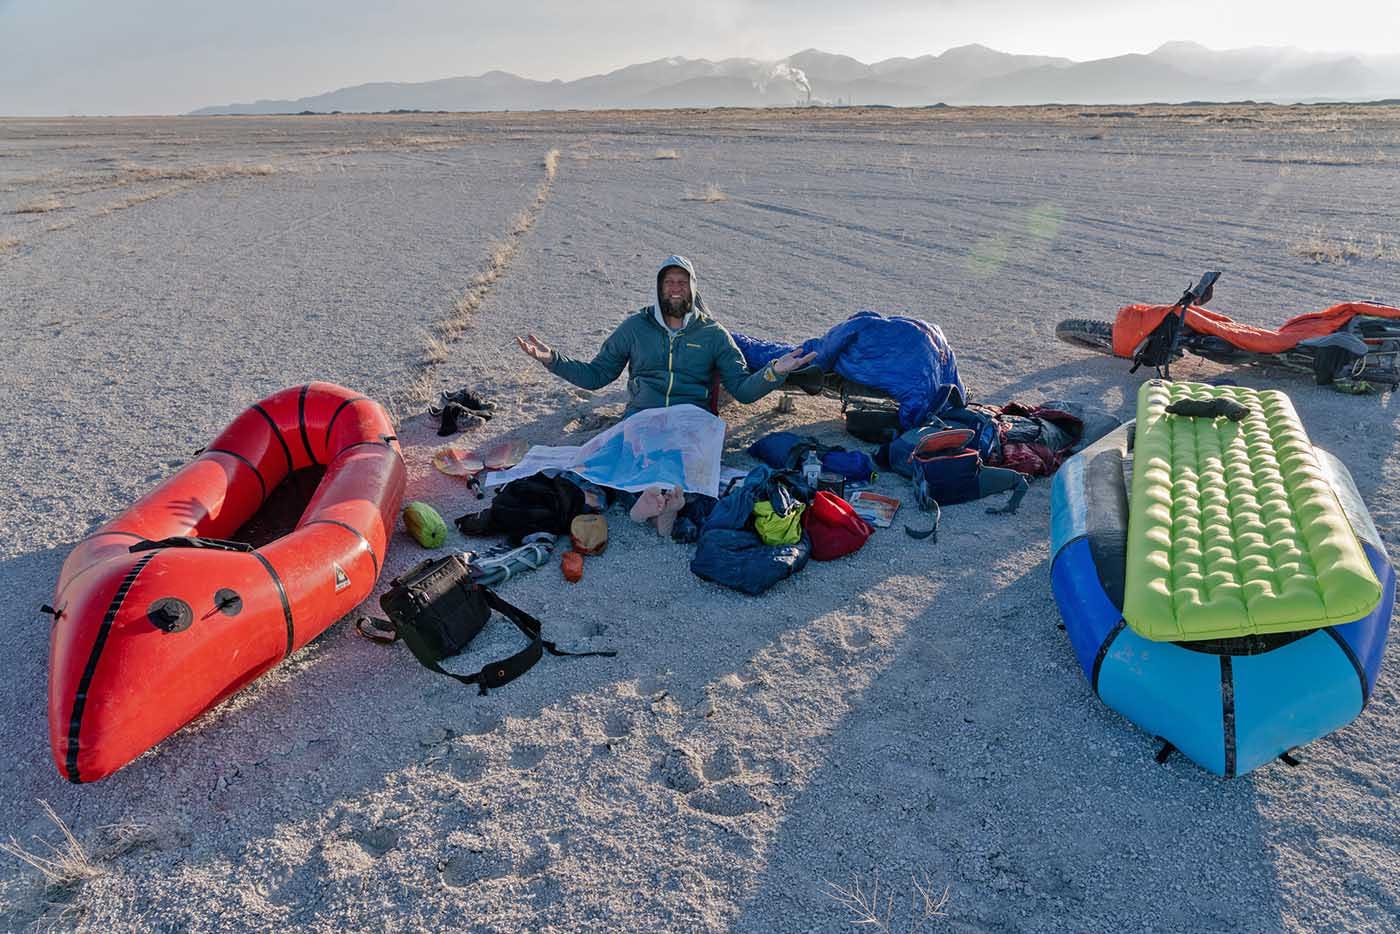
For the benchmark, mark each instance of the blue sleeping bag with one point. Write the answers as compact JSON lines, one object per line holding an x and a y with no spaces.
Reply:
{"x":732,"y":554}
{"x":905,"y":357}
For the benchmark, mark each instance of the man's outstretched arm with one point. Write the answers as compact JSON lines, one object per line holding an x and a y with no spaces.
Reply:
{"x":604,"y":368}
{"x":749,"y":387}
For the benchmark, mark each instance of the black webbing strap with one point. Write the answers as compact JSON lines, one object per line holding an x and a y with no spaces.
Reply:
{"x":187,"y":541}
{"x":495,"y":674}
{"x":921,"y":534}
{"x":508,"y":669}
{"x":1014,"y":501}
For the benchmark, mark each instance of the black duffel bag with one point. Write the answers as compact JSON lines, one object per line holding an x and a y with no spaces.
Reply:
{"x":437,"y":609}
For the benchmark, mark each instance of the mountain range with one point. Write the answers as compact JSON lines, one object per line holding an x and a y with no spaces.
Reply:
{"x":970,"y":74}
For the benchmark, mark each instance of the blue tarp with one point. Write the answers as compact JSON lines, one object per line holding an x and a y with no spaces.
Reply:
{"x":905,"y":357}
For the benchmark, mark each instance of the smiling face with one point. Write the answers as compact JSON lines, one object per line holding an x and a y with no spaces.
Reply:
{"x":675,"y":292}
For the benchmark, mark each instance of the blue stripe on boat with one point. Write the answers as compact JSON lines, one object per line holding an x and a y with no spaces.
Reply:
{"x":1366,"y":636}
{"x":1088,"y":614}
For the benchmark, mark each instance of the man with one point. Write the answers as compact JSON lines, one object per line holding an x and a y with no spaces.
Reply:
{"x":670,"y":349}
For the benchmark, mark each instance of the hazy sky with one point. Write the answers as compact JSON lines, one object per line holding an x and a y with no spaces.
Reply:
{"x":172,"y":56}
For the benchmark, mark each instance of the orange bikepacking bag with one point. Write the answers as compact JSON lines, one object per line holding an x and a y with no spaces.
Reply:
{"x":834,"y":527}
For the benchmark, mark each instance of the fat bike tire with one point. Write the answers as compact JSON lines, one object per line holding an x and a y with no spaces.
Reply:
{"x":1087,"y":333}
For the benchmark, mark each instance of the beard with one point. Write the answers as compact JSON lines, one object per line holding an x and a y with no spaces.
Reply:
{"x":676,"y":307}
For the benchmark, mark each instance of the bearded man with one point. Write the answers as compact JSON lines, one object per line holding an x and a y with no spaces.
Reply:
{"x":671,"y":349}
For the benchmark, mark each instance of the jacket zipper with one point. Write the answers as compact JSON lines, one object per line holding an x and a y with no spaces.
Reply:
{"x":670,"y":371}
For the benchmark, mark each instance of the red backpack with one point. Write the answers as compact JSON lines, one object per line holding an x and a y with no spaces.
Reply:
{"x":834,"y":527}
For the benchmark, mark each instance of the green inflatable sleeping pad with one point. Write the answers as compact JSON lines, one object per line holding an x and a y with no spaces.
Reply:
{"x":1232,"y":530}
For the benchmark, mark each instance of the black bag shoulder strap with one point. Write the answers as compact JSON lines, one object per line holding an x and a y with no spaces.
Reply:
{"x":495,"y":674}
{"x":508,"y":669}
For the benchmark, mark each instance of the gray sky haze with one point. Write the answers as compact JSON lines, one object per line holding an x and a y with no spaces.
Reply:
{"x":163,"y":56}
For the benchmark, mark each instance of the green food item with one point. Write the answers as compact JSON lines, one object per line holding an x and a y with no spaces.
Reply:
{"x":424,"y":524}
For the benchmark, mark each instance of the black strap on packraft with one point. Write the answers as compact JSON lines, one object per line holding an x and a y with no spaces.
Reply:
{"x":437,"y":609}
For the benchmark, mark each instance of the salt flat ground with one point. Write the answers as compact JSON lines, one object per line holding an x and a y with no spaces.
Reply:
{"x":908,"y":715}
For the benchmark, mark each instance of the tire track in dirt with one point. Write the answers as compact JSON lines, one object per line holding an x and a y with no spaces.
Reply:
{"x":450,"y":328}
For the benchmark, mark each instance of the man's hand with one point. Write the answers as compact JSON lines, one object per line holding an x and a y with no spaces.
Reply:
{"x":536,"y":348}
{"x":794,"y":359}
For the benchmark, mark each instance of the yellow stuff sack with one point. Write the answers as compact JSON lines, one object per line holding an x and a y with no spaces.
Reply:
{"x":775,"y":529}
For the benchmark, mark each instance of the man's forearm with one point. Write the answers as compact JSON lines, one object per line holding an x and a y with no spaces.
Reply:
{"x":593,"y":375}
{"x":757,"y":385}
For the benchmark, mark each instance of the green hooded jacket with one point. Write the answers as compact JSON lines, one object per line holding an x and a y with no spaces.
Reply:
{"x":666,"y":367}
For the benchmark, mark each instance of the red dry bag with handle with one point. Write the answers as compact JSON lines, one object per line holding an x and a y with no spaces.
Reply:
{"x":834,"y":527}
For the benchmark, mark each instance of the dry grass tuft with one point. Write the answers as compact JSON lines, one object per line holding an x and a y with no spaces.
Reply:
{"x":1319,"y":247}
{"x":412,"y":398}
{"x":8,"y":243}
{"x":39,"y":206}
{"x":66,"y":864}
{"x":129,"y":172}
{"x":666,"y":154}
{"x":870,"y":907}
{"x":142,"y":198}
{"x":502,"y":251}
{"x":434,"y":352}
{"x":125,"y":836}
{"x":451,"y":328}
{"x":710,"y":195}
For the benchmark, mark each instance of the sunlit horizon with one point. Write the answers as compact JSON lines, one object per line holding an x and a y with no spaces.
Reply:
{"x":158,"y":56}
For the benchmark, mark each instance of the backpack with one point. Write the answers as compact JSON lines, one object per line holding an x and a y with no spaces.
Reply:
{"x":531,"y":504}
{"x":948,"y":479}
{"x":945,"y":472}
{"x":436,"y":608}
{"x":731,"y":554}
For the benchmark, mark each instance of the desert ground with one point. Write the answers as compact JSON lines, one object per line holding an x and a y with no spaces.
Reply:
{"x":902,"y":737}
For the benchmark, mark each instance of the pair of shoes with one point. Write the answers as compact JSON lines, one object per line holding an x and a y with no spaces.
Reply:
{"x":461,"y":410}
{"x":455,"y":418}
{"x":464,"y":398}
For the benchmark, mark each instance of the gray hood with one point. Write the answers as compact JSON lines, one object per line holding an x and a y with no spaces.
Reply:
{"x":683,"y":263}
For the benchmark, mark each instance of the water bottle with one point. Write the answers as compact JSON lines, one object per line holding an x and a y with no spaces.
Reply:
{"x":811,"y":469}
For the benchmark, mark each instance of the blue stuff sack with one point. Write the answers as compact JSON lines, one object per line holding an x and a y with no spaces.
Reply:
{"x":856,"y":466}
{"x":774,"y":449}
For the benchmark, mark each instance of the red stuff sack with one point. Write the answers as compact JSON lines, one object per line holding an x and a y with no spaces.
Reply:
{"x":834,"y":527}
